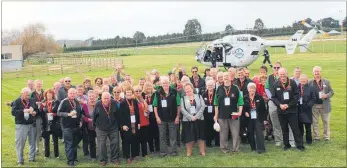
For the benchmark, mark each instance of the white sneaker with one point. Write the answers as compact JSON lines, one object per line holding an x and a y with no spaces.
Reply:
{"x":292,"y":144}
{"x":278,"y":144}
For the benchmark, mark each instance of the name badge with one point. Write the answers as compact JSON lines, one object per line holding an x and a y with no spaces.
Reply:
{"x":253,"y":114}
{"x":163,"y":103}
{"x":50,"y":116}
{"x":278,"y":88}
{"x":227,"y":101}
{"x":192,"y":110}
{"x":197,"y":90}
{"x":285,"y":96}
{"x":320,"y":95}
{"x":26,"y":116}
{"x":150,"y":108}
{"x":133,"y":119}
{"x":300,"y":100}
{"x":209,"y":109}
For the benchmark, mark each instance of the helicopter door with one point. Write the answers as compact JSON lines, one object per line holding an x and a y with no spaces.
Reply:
{"x":202,"y":53}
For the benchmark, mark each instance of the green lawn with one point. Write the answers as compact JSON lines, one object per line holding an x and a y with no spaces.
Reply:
{"x":318,"y":154}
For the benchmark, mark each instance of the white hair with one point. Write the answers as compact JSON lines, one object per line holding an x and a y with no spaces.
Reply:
{"x":164,"y":79}
{"x":105,"y":94}
{"x":90,"y":92}
{"x":26,"y":89}
{"x":303,"y":76}
{"x":57,"y":83}
{"x":184,"y":78}
{"x":210,"y":82}
{"x":251,"y":84}
{"x":317,"y":67}
{"x":38,"y":81}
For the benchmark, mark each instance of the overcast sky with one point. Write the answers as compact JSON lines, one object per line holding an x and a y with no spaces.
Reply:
{"x":81,"y":20}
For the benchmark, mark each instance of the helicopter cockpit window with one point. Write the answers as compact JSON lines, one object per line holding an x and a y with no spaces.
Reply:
{"x":253,"y":39}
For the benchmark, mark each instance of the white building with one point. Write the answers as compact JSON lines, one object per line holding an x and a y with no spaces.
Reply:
{"x":11,"y":58}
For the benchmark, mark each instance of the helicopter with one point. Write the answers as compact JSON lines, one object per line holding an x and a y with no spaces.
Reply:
{"x":243,"y":49}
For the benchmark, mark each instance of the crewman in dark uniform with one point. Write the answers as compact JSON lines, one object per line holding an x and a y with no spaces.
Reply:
{"x":285,"y":97}
{"x":266,"y":57}
{"x":213,"y":57}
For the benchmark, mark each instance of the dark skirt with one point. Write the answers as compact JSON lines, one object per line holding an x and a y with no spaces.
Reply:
{"x":193,"y":131}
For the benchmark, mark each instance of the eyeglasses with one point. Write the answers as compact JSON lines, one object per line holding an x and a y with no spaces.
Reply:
{"x":67,"y":81}
{"x":194,"y":71}
{"x":137,"y":91}
{"x":277,"y":67}
{"x":116,"y":92}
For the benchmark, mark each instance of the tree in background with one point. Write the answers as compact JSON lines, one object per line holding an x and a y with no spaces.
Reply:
{"x":192,"y":28}
{"x":329,"y":22}
{"x":229,"y":29}
{"x":344,"y":23}
{"x":33,"y":40}
{"x":259,"y":26}
{"x":139,"y":37}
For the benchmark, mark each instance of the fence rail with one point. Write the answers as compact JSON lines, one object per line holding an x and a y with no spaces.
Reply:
{"x":64,"y":66}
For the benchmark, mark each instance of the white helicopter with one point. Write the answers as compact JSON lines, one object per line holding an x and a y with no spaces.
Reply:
{"x":242,"y":50}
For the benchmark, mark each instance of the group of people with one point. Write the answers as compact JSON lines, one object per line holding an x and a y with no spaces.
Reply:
{"x":163,"y":112}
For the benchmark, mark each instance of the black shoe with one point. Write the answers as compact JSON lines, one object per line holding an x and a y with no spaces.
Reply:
{"x":287,"y":147}
{"x":301,"y":148}
{"x":173,"y":154}
{"x":260,"y":152}
{"x":309,"y":142}
{"x":71,"y":164}
{"x":32,"y":160}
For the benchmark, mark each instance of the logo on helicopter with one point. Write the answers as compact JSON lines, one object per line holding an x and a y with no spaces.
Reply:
{"x":238,"y":53}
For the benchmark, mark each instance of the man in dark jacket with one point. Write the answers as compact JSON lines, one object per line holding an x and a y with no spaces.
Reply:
{"x":70,"y":112}
{"x":197,"y":81}
{"x":266,"y":57}
{"x":166,"y":105}
{"x":307,"y":98}
{"x":62,"y":92}
{"x":24,"y":114}
{"x":286,"y":97}
{"x":242,"y":83}
{"x":107,"y":122}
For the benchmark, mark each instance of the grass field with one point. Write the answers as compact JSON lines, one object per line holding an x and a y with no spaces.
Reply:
{"x":318,"y":154}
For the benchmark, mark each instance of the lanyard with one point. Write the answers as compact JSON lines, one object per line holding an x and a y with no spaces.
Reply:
{"x":148,"y":98}
{"x":196,"y":83}
{"x":227,"y":91}
{"x":164,"y":97}
{"x":49,"y":106}
{"x":131,"y":106}
{"x":191,"y":101}
{"x":119,"y":100}
{"x":26,"y":105}
{"x":319,"y":85}
{"x":72,"y":105}
{"x":109,"y":109}
{"x":39,"y":98}
{"x":251,"y":100}
{"x":283,"y":85}
{"x":302,"y":90}
{"x":241,"y":84}
{"x":210,"y":97}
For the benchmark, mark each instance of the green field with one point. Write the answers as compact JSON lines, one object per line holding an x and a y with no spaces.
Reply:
{"x":318,"y":154}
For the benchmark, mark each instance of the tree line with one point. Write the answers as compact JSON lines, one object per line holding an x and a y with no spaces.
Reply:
{"x":34,"y":40}
{"x":193,"y":33}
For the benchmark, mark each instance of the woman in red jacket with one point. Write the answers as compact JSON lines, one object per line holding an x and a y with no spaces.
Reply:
{"x":144,"y":120}
{"x":50,"y":122}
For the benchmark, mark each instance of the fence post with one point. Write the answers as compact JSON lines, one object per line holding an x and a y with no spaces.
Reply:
{"x":47,"y":69}
{"x":90,"y":66}
{"x":61,"y":68}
